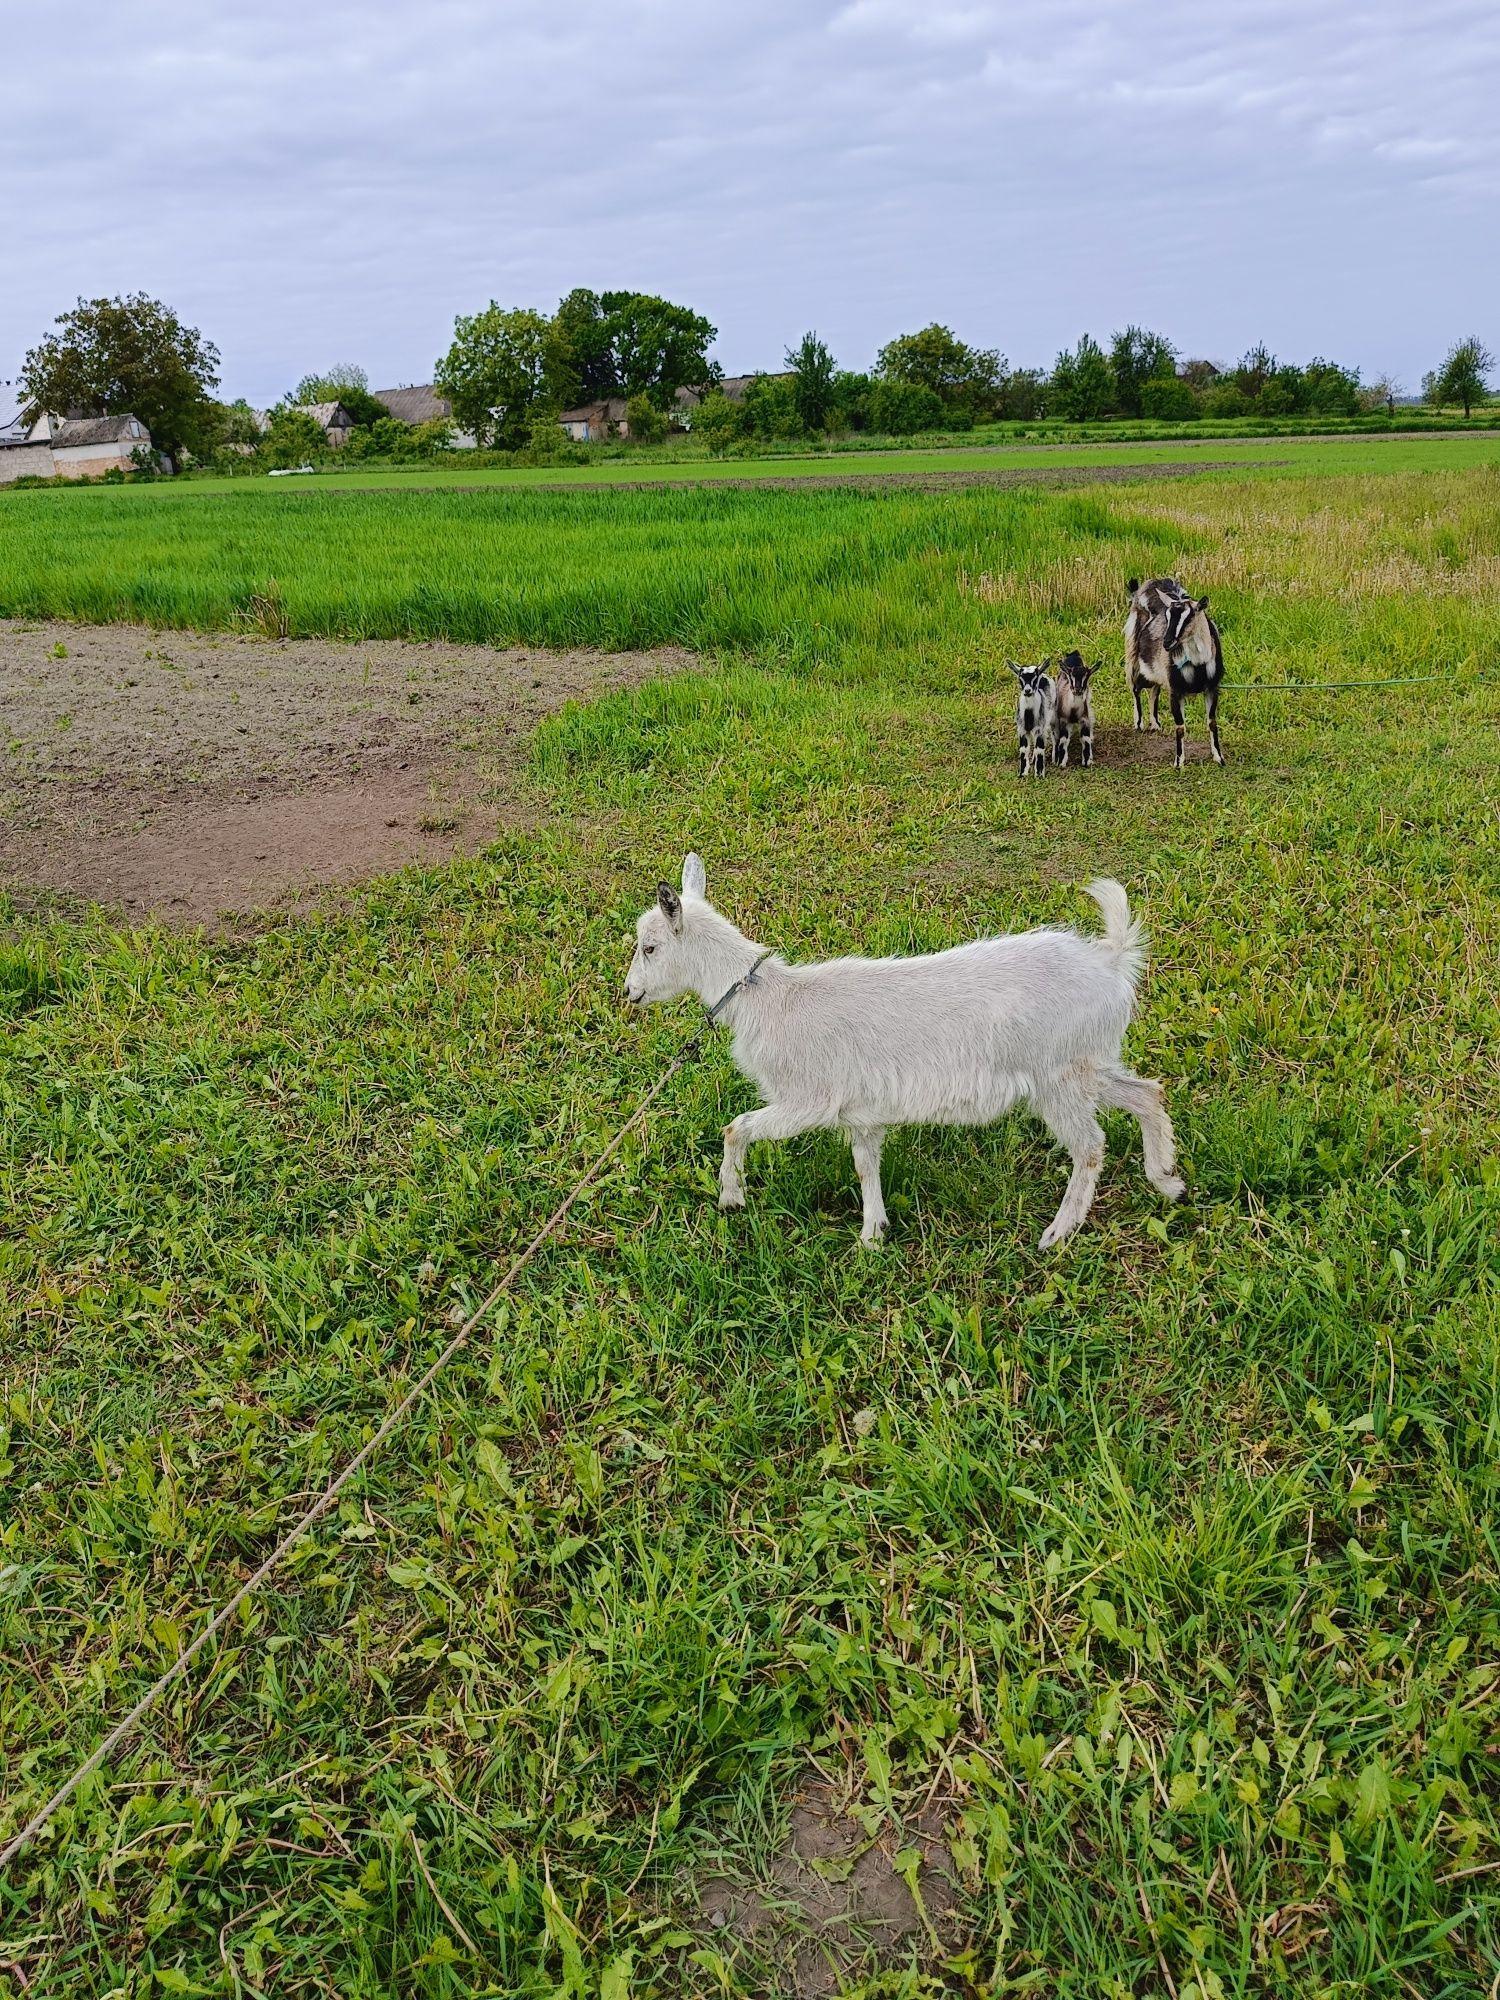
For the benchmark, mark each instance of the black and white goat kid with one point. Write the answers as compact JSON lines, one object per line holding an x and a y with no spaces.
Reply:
{"x":1073,"y":708}
{"x":1172,"y":643}
{"x":1034,"y":700}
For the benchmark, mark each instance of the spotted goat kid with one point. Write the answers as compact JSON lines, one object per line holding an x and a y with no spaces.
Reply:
{"x":1073,"y":708}
{"x":1172,"y":643}
{"x":1034,"y":696}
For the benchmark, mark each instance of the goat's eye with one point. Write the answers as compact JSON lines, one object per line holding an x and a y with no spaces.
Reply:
{"x":647,"y":949}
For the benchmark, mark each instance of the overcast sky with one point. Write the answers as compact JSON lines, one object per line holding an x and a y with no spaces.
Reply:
{"x":312,"y":182}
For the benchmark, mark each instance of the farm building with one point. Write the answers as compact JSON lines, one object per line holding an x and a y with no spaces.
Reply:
{"x":591,"y":421}
{"x":732,"y":387}
{"x":420,"y":403}
{"x":606,"y":418}
{"x":70,"y":447}
{"x":15,"y":418}
{"x":332,"y":418}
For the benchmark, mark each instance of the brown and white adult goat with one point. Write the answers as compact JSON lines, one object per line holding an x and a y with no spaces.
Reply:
{"x":1172,"y":643}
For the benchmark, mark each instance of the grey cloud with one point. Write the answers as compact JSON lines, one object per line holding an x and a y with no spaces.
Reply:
{"x":311,"y":182}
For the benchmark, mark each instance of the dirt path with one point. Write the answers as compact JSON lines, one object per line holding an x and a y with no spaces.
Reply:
{"x":200,"y":776}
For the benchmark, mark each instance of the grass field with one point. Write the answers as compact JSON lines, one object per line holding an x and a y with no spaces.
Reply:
{"x":1167,"y":1566}
{"x":1296,"y":454}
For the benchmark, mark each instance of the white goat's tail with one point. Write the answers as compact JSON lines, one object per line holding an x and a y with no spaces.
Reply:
{"x":1124,"y":939}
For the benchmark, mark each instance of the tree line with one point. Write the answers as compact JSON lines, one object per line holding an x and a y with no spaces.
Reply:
{"x":509,"y":372}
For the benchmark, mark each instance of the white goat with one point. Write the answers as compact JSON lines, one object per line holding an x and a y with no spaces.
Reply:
{"x":955,"y":1038}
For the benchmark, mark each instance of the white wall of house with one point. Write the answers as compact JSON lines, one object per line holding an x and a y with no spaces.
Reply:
{"x":87,"y":461}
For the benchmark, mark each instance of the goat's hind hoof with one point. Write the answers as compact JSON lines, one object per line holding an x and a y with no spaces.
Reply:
{"x":1171,"y":1187}
{"x":728,"y":1201}
{"x":1053,"y":1234}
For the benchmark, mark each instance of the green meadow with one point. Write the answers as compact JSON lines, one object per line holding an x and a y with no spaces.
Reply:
{"x":1167,"y":1565}
{"x":679,"y":464}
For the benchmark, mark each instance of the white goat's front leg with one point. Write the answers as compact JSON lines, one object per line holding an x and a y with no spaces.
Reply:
{"x":772,"y":1121}
{"x":866,"y":1143}
{"x":1068,"y":1112}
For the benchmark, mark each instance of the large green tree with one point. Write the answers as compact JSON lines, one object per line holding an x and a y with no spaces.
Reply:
{"x":1139,"y":357}
{"x":964,"y":377}
{"x":129,"y":356}
{"x":813,"y":372}
{"x":1463,"y":377}
{"x":658,"y":348}
{"x":495,"y":372}
{"x":580,"y":358}
{"x":1083,"y":383}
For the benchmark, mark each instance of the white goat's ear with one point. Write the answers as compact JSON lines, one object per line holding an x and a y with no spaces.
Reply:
{"x":693,"y":877}
{"x":671,"y":904}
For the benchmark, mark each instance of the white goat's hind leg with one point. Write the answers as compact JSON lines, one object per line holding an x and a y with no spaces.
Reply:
{"x":771,"y":1121}
{"x":866,"y":1143}
{"x":1145,"y":1100}
{"x":1068,"y":1112}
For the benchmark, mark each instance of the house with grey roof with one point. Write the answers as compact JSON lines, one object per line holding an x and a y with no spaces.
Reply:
{"x":420,"y":403}
{"x":332,"y":419}
{"x":592,"y":421}
{"x":53,"y":447}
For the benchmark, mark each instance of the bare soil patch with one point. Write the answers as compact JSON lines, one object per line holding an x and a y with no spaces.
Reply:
{"x":938,"y":480}
{"x":835,"y":1902}
{"x":197,"y":776}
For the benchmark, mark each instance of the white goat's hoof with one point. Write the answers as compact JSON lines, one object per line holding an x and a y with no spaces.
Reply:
{"x":1055,"y":1233}
{"x":1172,"y":1187}
{"x":734,"y":1200}
{"x":872,"y":1238}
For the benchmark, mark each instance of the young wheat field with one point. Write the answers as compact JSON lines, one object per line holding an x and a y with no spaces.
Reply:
{"x":1138,"y":1604}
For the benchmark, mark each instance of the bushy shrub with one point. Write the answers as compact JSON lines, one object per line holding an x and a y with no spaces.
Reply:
{"x":427,"y":439}
{"x":1083,"y":382}
{"x":718,"y":423}
{"x":1226,"y":399}
{"x":293,"y":439}
{"x":1166,"y":400}
{"x":1332,"y":391}
{"x":962,"y":377}
{"x":901,"y":409}
{"x":850,"y":410}
{"x":771,"y":408}
{"x":646,"y":423}
{"x":1023,"y":398}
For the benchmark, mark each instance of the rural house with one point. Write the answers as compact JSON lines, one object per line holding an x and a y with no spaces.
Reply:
{"x":420,"y":403}
{"x":592,"y":421}
{"x":54,"y":447}
{"x":731,"y":387}
{"x":332,"y":418}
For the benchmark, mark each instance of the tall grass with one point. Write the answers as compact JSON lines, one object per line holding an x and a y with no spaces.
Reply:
{"x":1169,"y":1564}
{"x":831,"y":577}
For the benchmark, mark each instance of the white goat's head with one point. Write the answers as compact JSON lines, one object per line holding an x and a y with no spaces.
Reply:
{"x":665,"y":965}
